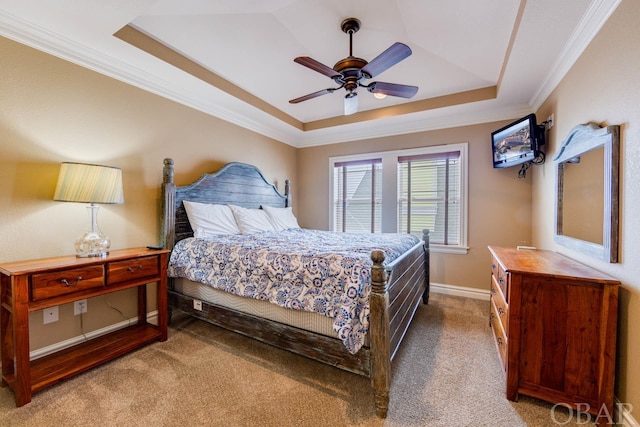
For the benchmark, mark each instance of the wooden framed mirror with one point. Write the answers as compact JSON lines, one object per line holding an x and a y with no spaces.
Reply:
{"x":587,"y":167}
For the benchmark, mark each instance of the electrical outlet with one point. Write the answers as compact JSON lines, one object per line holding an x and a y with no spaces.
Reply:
{"x":197,"y":305}
{"x":550,"y":121}
{"x":79,"y":307}
{"x":50,"y":315}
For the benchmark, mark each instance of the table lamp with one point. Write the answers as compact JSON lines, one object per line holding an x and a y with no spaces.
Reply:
{"x":87,"y":183}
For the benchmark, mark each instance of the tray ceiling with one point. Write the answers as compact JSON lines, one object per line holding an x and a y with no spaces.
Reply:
{"x":473,"y":62}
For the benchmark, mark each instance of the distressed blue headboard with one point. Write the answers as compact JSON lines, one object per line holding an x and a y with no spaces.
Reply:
{"x":236,"y":183}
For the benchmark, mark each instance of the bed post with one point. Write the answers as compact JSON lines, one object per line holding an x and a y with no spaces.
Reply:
{"x":427,"y":279}
{"x":379,"y":335}
{"x":168,"y":214}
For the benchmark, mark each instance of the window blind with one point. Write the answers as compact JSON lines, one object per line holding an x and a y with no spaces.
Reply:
{"x":429,"y":191}
{"x":357,"y":196}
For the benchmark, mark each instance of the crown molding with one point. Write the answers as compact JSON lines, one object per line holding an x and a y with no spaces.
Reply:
{"x":598,"y":13}
{"x":37,"y":37}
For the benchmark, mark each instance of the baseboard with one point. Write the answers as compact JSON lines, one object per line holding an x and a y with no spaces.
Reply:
{"x":50,"y":349}
{"x":459,"y":291}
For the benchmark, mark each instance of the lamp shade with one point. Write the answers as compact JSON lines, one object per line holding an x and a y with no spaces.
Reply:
{"x":82,"y":182}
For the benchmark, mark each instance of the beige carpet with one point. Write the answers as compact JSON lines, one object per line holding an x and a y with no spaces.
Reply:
{"x":446,"y":374}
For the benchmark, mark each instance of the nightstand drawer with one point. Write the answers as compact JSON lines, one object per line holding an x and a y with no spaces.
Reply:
{"x":48,"y":285}
{"x":124,"y":271}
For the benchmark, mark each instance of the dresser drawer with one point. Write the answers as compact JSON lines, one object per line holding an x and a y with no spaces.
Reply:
{"x":502,"y":308}
{"x":503,"y":280}
{"x":498,"y":273}
{"x":494,"y":268}
{"x":124,"y":271}
{"x":53,"y":284}
{"x":499,"y":335}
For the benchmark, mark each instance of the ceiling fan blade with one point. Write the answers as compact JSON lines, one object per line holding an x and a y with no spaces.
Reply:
{"x":350,"y":103}
{"x":317,"y":66}
{"x":312,"y":95}
{"x":390,"y":57}
{"x":393,"y":89}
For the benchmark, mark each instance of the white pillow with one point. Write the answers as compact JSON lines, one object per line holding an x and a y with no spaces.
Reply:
{"x":210,"y":220}
{"x":251,"y":220}
{"x":281,"y":218}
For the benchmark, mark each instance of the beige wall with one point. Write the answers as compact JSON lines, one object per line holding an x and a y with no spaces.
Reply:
{"x":499,"y":202}
{"x":604,"y":87}
{"x":53,"y":111}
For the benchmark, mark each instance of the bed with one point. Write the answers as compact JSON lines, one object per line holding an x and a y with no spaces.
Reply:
{"x":394,"y":289}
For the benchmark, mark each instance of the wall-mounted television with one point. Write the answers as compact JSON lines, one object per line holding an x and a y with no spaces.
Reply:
{"x":517,"y":143}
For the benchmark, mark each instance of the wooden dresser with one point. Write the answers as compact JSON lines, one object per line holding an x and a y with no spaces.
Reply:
{"x":554,"y":324}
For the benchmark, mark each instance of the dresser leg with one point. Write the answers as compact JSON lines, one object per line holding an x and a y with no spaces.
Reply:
{"x":142,"y":304}
{"x":22,"y":367}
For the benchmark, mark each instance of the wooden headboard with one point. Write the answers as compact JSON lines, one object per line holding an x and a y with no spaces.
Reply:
{"x":238,"y":184}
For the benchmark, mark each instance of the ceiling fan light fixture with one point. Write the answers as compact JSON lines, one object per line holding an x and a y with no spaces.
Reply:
{"x":351,"y":72}
{"x":350,"y":103}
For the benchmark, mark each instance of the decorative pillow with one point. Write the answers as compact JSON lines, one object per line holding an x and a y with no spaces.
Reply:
{"x":251,"y":220}
{"x":210,"y":220}
{"x":281,"y":218}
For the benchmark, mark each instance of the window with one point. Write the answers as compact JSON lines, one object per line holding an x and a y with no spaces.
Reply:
{"x":357,"y":196}
{"x":429,"y":196}
{"x":404,"y":191}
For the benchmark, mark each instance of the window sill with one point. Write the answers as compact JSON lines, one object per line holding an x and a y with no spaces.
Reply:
{"x":442,"y":249}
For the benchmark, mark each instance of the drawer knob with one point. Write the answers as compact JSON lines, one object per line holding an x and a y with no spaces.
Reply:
{"x":499,"y":340}
{"x":493,"y":291}
{"x":501,"y":311}
{"x":491,"y":316}
{"x":72,"y":282}
{"x":132,"y":269}
{"x":501,"y":280}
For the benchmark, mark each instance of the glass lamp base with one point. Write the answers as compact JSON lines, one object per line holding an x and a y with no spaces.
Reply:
{"x":92,"y":244}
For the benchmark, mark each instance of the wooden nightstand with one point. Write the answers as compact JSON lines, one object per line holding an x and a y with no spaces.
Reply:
{"x":36,"y":284}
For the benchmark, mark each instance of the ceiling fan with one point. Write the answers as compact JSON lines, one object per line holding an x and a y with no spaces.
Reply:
{"x":351,"y":71}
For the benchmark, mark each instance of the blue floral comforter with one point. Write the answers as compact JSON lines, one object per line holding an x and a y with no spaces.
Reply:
{"x":312,"y":270}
